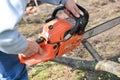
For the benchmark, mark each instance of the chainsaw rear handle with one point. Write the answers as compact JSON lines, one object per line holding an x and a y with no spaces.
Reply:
{"x":81,"y":22}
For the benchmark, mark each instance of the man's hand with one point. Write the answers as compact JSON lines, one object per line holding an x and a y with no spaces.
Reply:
{"x":71,"y":8}
{"x":32,"y":48}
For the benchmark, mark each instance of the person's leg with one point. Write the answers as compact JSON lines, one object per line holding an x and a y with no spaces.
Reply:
{"x":11,"y":68}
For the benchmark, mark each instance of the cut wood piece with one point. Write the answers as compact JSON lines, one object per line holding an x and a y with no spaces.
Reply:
{"x":108,"y":66}
{"x":118,"y":59}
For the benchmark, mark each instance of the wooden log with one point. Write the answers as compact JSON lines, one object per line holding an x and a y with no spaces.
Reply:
{"x":105,"y":65}
{"x":119,"y":59}
{"x":76,"y":63}
{"x":108,"y":66}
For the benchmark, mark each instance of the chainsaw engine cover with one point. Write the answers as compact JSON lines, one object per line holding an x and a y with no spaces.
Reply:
{"x":54,"y":32}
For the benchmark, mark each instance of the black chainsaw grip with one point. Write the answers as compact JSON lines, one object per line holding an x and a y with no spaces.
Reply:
{"x":81,"y":22}
{"x":84,"y":19}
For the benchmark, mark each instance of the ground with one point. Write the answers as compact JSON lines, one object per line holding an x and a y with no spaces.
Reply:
{"x":107,"y":43}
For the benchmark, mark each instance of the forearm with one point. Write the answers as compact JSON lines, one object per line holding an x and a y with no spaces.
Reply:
{"x":54,"y":2}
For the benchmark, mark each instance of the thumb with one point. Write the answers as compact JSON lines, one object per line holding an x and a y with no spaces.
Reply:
{"x":75,"y":13}
{"x":41,"y":51}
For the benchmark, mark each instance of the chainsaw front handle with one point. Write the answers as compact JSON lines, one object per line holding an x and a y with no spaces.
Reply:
{"x":81,"y":22}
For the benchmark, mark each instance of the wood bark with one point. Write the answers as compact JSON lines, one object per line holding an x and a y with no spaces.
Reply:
{"x":108,"y":66}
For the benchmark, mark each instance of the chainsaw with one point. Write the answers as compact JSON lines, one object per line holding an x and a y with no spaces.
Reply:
{"x":60,"y":36}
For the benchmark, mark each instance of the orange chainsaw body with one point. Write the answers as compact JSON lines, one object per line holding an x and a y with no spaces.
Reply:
{"x":53,"y":46}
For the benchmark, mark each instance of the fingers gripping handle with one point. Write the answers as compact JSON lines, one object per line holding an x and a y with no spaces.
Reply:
{"x":33,"y":59}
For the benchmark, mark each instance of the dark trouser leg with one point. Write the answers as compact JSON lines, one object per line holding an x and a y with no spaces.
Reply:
{"x":11,"y":68}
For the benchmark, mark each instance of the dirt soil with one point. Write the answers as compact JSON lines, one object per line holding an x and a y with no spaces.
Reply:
{"x":107,"y":44}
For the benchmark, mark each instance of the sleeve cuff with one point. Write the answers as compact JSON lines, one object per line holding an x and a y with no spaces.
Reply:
{"x":54,"y":2}
{"x":63,"y":1}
